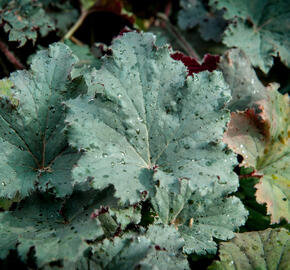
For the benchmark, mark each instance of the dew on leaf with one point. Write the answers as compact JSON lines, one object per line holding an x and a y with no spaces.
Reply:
{"x":208,"y":163}
{"x":122,"y":161}
{"x":186,"y":146}
{"x":140,"y":119}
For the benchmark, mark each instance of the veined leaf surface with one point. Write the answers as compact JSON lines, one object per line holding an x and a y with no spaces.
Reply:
{"x":260,"y":28}
{"x":142,"y":122}
{"x":199,"y":218}
{"x":34,"y":151}
{"x":56,"y":231}
{"x":267,"y":249}
{"x":261,"y":136}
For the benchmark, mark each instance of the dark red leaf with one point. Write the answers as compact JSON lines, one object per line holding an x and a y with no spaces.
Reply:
{"x":209,"y":62}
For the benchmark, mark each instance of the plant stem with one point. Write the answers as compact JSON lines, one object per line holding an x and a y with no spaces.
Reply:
{"x":10,"y":56}
{"x":76,"y":41}
{"x":76,"y":26}
{"x":181,"y":40}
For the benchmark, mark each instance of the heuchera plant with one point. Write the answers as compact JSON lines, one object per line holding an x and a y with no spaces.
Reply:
{"x":130,"y":156}
{"x":136,"y":128}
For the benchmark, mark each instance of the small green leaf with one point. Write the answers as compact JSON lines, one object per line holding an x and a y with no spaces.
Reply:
{"x":5,"y":88}
{"x":126,"y":216}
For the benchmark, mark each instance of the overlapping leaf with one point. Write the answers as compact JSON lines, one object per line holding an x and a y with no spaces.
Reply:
{"x":55,"y":231}
{"x":261,"y":136}
{"x":160,"y":248}
{"x":62,"y":13}
{"x":260,"y":28}
{"x":87,"y":59}
{"x":245,"y":87}
{"x":267,"y":249}
{"x":23,"y":19}
{"x":26,"y":19}
{"x":210,"y":62}
{"x":257,"y":219}
{"x":141,"y":112}
{"x":211,"y":23}
{"x":199,"y":218}
{"x":34,"y":150}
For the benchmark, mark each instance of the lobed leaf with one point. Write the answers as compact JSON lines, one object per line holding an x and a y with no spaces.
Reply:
{"x":199,"y":219}
{"x":142,"y":113}
{"x":23,"y":20}
{"x":260,"y":28}
{"x":267,"y":249}
{"x":62,"y":13}
{"x":55,"y":231}
{"x":159,"y":248}
{"x":261,"y":136}
{"x":27,"y":19}
{"x":34,"y":151}
{"x":246,"y":89}
{"x":210,"y":21}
